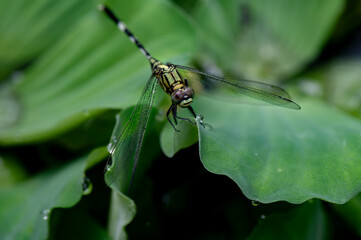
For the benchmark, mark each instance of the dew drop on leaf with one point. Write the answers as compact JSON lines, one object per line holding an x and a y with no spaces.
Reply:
{"x":109,"y":164}
{"x":110,"y":148}
{"x":45,"y":214}
{"x":87,"y":186}
{"x":111,"y":145}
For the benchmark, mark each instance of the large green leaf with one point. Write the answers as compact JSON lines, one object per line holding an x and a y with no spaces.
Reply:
{"x":94,"y":67}
{"x":276,"y":154}
{"x":29,"y":28}
{"x":266,"y":39}
{"x":25,"y":208}
{"x":122,"y":211}
{"x":172,"y":141}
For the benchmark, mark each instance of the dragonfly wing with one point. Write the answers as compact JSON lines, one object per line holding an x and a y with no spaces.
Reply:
{"x":266,"y":92}
{"x":125,"y":150}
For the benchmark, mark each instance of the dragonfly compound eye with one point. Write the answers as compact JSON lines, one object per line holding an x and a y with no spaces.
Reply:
{"x":183,"y":97}
{"x":177,"y":96}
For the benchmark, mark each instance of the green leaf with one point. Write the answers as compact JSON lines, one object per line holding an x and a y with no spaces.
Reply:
{"x":9,"y":106}
{"x":29,"y":28}
{"x":307,"y":221}
{"x":276,"y":154}
{"x":25,"y":208}
{"x":10,"y":171}
{"x":122,"y":211}
{"x":94,"y":67}
{"x":171,"y":141}
{"x":266,"y":39}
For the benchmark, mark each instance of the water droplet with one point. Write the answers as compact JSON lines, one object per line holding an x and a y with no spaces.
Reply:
{"x":87,"y":186}
{"x":255,"y":203}
{"x":110,"y":148}
{"x":109,"y":164}
{"x":263,"y":216}
{"x":45,"y":214}
{"x":200,"y":117}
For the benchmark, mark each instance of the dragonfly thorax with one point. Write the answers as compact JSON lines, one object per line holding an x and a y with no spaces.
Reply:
{"x":172,"y":83}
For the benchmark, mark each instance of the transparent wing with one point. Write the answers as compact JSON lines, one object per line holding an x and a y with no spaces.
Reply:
{"x":266,"y":92}
{"x":125,"y":150}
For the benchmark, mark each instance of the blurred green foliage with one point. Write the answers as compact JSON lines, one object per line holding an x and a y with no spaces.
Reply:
{"x":66,"y":70}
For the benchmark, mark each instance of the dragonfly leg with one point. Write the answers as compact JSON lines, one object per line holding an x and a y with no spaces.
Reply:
{"x":196,"y":116}
{"x":186,"y":82}
{"x":192,"y":111}
{"x":185,"y":119}
{"x":172,"y":109}
{"x":174,"y":113}
{"x":181,"y":118}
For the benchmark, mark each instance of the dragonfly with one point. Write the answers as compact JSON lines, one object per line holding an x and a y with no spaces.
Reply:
{"x":173,"y":80}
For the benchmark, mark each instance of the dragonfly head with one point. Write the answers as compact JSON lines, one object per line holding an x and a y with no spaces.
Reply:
{"x":183,"y":97}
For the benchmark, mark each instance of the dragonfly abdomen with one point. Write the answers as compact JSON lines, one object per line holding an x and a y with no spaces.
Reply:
{"x":122,"y":27}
